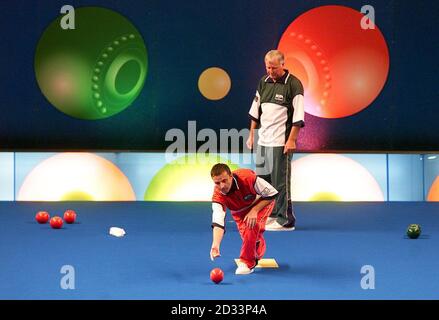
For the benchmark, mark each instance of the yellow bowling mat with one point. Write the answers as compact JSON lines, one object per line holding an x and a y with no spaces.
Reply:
{"x":264,"y":263}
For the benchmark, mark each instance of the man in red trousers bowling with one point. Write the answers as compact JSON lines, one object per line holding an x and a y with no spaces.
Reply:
{"x":250,"y":200}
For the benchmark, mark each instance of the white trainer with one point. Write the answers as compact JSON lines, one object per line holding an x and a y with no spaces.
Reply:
{"x":243,"y":269}
{"x":275,"y":226}
{"x":270,"y":220}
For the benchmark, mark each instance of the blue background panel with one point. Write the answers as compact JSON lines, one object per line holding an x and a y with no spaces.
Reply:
{"x":184,"y":39}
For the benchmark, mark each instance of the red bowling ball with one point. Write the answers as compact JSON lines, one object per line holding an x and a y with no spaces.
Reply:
{"x":42,"y":217}
{"x":342,"y":66}
{"x":69,"y":216}
{"x":217,"y":275}
{"x":56,"y":222}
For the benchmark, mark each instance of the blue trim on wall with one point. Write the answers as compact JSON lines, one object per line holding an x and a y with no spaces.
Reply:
{"x":423,"y":176}
{"x":387,"y":177}
{"x":13,"y":174}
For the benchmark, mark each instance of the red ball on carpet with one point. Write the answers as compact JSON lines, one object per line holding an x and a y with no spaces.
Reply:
{"x":56,"y":222}
{"x":69,"y":216}
{"x":217,"y":275}
{"x":42,"y":216}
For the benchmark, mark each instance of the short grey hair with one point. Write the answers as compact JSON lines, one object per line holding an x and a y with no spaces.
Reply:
{"x":275,"y":54}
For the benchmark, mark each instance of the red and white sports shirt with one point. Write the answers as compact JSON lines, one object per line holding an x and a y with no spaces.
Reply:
{"x":247,"y":189}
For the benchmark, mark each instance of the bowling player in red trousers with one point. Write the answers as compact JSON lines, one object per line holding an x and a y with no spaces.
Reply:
{"x":250,"y":200}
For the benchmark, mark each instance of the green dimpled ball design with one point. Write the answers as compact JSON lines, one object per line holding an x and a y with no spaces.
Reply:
{"x":95,"y":70}
{"x":414,"y":231}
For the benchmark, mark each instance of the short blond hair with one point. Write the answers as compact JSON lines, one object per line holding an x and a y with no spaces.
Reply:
{"x":275,"y":54}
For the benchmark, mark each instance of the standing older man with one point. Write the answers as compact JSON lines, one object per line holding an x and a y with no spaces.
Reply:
{"x":278,"y":110}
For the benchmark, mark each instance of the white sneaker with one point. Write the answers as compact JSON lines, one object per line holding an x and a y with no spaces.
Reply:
{"x":270,"y":220}
{"x":243,"y":269}
{"x":275,"y":226}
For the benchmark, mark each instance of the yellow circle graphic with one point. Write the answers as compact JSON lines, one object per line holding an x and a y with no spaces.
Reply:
{"x":76,"y":177}
{"x":433,"y":193}
{"x":331,"y":177}
{"x":214,"y":83}
{"x":185,"y":179}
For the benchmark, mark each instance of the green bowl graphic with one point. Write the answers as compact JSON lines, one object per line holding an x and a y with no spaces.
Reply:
{"x":95,"y":70}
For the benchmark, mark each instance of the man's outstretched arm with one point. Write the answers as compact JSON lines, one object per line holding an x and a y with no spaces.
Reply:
{"x":218,"y":234}
{"x":218,"y":221}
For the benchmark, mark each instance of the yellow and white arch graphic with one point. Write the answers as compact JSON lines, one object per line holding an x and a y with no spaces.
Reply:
{"x":331,"y":177}
{"x":76,"y":177}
